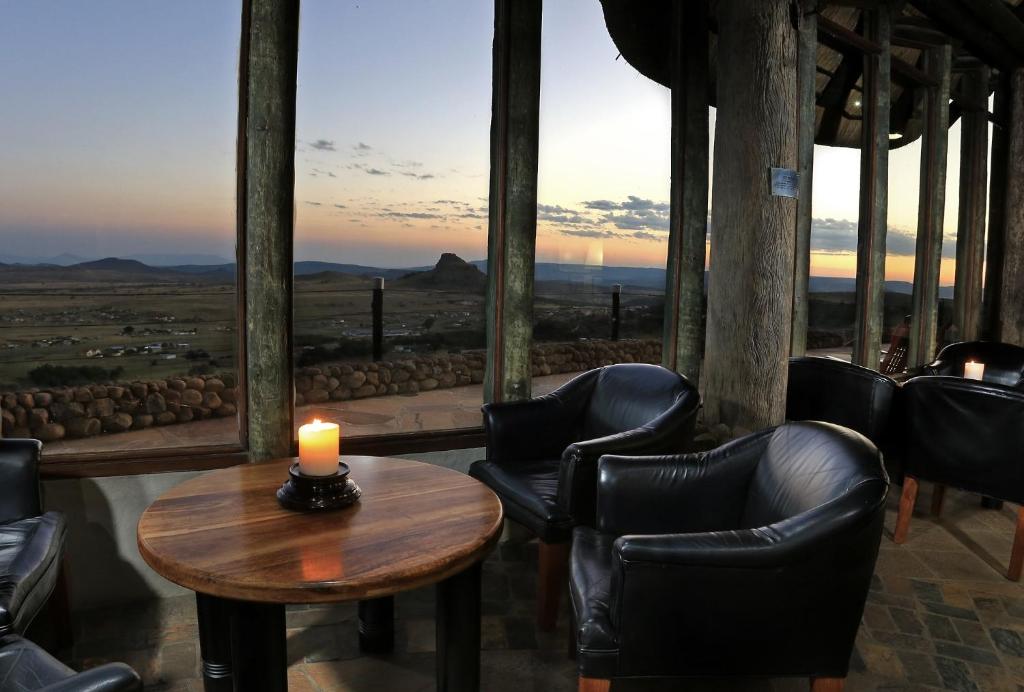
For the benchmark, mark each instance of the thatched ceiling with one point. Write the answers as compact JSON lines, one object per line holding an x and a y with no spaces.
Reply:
{"x":980,"y":31}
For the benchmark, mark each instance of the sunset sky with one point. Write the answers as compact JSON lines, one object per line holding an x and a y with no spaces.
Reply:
{"x":119,"y":138}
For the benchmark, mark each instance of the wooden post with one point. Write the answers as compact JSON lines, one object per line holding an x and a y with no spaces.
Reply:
{"x":377,"y":308}
{"x":616,"y":310}
{"x":1011,"y":301}
{"x":970,"y":236}
{"x":996,"y":209}
{"x":807,"y":55}
{"x":269,"y":200}
{"x":934,"y":144}
{"x":750,"y":295}
{"x":683,"y":335}
{"x":512,"y":225}
{"x":874,"y":192}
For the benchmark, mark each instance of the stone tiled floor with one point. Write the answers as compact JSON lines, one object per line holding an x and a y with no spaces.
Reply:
{"x":940,"y":615}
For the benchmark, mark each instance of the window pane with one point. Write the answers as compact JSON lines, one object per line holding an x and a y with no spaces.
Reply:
{"x":602,"y":214}
{"x":391,"y":181}
{"x":117,"y":185}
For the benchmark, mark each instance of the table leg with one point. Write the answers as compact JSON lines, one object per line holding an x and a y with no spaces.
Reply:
{"x":458,"y":632}
{"x":214,"y":616}
{"x":377,"y":625}
{"x":259,"y":647}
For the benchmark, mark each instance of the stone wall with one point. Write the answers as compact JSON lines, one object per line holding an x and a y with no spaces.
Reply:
{"x":51,"y":414}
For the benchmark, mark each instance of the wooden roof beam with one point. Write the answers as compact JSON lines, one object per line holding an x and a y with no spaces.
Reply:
{"x":978,"y":38}
{"x":838,"y":37}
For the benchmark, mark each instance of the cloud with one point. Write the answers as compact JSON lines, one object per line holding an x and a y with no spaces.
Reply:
{"x":601,"y":204}
{"x":647,"y":235}
{"x":588,"y":233}
{"x":360,"y":146}
{"x":409,"y":215}
{"x":418,"y":176}
{"x":407,"y":164}
{"x":839,"y":237}
{"x":313,"y":204}
{"x":376,"y":171}
{"x":341,"y":206}
{"x":639,"y":220}
{"x":323,"y":145}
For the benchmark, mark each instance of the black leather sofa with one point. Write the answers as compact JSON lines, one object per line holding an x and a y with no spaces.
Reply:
{"x":24,"y":667}
{"x":1004,"y":363}
{"x":31,"y":541}
{"x":967,"y":434}
{"x":753,"y":559}
{"x":542,"y":454}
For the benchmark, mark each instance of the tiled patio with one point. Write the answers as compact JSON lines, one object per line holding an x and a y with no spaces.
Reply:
{"x":940,"y":615}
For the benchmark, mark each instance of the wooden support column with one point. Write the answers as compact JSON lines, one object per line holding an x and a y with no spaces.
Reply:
{"x":996,"y":209}
{"x":750,"y":296}
{"x":683,"y":337}
{"x":807,"y":56}
{"x":1011,"y":302}
{"x":874,"y":191}
{"x":934,"y":146}
{"x":512,"y":225}
{"x":970,"y":236}
{"x":269,"y":90}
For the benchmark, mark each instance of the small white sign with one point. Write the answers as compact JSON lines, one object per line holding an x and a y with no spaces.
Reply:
{"x":785,"y":182}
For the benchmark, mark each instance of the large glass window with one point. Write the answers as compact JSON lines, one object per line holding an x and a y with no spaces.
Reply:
{"x":602,"y":217}
{"x":391,"y":163}
{"x":117,"y":185}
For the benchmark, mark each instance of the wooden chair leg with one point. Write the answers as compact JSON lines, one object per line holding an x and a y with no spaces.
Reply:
{"x":906,"y":509}
{"x":827,"y":684}
{"x":1017,"y":554}
{"x":938,"y":498}
{"x":594,"y":685}
{"x":553,"y":568}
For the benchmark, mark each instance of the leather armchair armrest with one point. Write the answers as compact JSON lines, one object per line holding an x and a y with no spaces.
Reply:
{"x":676,"y":494}
{"x":577,"y":482}
{"x":538,"y":428}
{"x":19,"y":479}
{"x":110,"y":677}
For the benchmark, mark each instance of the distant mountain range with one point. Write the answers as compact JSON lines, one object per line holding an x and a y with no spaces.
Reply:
{"x":451,"y":271}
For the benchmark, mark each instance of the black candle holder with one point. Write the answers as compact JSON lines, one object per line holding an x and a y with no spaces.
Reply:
{"x":304,"y":493}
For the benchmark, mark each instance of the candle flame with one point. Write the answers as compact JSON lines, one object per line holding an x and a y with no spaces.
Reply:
{"x":317,"y":421}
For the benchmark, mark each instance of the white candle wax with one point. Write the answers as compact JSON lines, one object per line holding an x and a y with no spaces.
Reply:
{"x":974,"y":371}
{"x":318,"y":448}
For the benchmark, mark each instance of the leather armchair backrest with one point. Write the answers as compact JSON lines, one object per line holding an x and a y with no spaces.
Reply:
{"x":630,"y":395}
{"x":838,"y":392}
{"x":807,"y":465}
{"x":19,"y":479}
{"x":1004,"y":363}
{"x":967,"y":434}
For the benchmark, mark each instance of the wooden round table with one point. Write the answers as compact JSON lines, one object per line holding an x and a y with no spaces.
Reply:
{"x":224,"y":536}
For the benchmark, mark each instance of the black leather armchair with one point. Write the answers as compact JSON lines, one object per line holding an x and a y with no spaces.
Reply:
{"x":861,"y":399}
{"x":31,"y":542}
{"x":753,"y":559}
{"x":969,"y":435}
{"x":24,"y":667}
{"x":542,"y":454}
{"x":1004,"y":363}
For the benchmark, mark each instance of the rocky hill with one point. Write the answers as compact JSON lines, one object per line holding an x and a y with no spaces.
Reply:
{"x":451,"y":273}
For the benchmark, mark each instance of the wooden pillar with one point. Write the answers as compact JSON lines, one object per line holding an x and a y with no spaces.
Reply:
{"x":683,"y":337}
{"x":807,"y":55}
{"x":970,"y":236}
{"x":750,"y":296}
{"x":1011,"y":302}
{"x":512,"y":225}
{"x":996,"y":209}
{"x":934,"y":145}
{"x":269,"y":89}
{"x":874,"y":192}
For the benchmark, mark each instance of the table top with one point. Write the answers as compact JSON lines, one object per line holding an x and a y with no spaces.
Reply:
{"x":224,"y":533}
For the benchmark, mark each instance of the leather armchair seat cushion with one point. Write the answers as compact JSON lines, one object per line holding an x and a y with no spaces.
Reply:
{"x":30,"y":552}
{"x":529,"y":495}
{"x":590,"y":588}
{"x":24,"y":667}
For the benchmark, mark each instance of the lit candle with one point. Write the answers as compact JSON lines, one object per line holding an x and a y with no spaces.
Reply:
{"x":318,"y":448}
{"x":974,"y":371}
